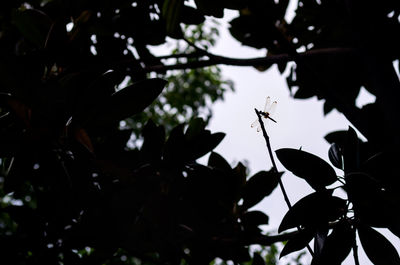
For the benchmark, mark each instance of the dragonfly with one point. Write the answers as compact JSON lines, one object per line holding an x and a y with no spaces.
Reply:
{"x":269,"y":109}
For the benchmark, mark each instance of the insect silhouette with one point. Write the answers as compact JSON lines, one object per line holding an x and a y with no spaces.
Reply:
{"x":269,"y":109}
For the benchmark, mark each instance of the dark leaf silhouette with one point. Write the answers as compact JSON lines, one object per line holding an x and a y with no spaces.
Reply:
{"x":335,"y":156}
{"x":126,"y":102}
{"x":298,"y":242}
{"x":217,"y":161}
{"x":257,"y":259}
{"x":251,"y":220}
{"x":313,"y":210}
{"x":378,"y":249}
{"x":33,"y":24}
{"x":311,"y":168}
{"x":351,"y":152}
{"x":372,"y":204}
{"x":337,"y":246}
{"x":259,"y":186}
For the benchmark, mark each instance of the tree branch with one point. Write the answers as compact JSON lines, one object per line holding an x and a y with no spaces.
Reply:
{"x":258,"y":61}
{"x":286,"y":197}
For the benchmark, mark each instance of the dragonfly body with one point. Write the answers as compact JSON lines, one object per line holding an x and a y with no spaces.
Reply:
{"x":266,"y":113}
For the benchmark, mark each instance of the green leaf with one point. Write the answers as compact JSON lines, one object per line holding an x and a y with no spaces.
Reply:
{"x":335,"y":156}
{"x":378,"y":249}
{"x":126,"y":102}
{"x":260,"y":186}
{"x":317,"y":208}
{"x":313,"y":169}
{"x":298,"y":242}
{"x":337,"y":246}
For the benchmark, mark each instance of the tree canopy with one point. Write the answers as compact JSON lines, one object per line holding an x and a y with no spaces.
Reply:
{"x":71,"y":190}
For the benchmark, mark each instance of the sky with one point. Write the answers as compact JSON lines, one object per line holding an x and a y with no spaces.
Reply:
{"x":300,"y":124}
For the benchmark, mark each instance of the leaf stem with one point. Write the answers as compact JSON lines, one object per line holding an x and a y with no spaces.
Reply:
{"x":355,"y":253}
{"x":266,"y":137}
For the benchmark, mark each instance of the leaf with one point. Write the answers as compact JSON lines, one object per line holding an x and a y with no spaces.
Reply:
{"x":254,"y":219}
{"x":174,"y":146}
{"x":317,"y":208}
{"x":240,"y":173}
{"x":210,"y":8}
{"x":313,"y":169}
{"x":321,"y":234}
{"x":335,"y":156}
{"x":217,"y":161}
{"x":195,"y":128}
{"x":191,"y":16}
{"x":20,"y":109}
{"x":153,"y":142}
{"x":372,"y":204}
{"x":351,"y":152}
{"x":259,"y":186}
{"x":337,"y":246}
{"x":378,"y":249}
{"x":33,"y":24}
{"x":82,"y":137}
{"x":338,"y":137}
{"x":171,"y":11}
{"x":327,"y":108}
{"x":202,"y":144}
{"x":298,"y":242}
{"x":257,"y":259}
{"x":127,"y":101}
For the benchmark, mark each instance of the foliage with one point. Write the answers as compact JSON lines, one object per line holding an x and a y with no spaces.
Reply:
{"x":191,"y":91}
{"x":72,"y":193}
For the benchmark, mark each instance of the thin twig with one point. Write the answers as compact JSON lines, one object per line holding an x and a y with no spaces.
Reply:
{"x":275,"y":169}
{"x":266,"y":137}
{"x":355,"y":253}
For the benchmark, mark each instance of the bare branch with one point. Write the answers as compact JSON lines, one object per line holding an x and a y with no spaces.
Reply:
{"x":258,"y":61}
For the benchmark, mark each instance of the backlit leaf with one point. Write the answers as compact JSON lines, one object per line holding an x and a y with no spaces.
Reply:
{"x":335,"y":156}
{"x":337,"y":246}
{"x":309,"y":167}
{"x":317,"y":208}
{"x":259,"y":186}
{"x":378,"y":249}
{"x":298,"y":242}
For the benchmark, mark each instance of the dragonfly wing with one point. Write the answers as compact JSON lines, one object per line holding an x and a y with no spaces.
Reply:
{"x":272,"y":108}
{"x":267,"y":103}
{"x":255,"y":123}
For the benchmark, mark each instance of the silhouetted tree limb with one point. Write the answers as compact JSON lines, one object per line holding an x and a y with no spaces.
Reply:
{"x":259,"y":61}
